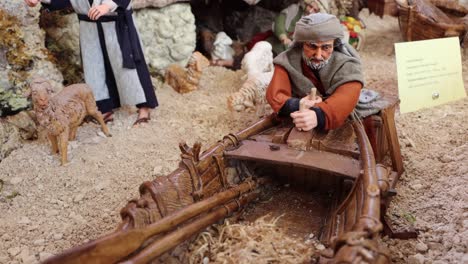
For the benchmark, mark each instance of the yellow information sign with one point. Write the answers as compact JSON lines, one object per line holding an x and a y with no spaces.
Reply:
{"x":429,"y":73}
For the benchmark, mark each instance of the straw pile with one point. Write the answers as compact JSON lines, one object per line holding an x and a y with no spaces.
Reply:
{"x":258,"y":242}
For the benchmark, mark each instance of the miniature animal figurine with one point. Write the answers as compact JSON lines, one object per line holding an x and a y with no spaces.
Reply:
{"x":222,"y":47}
{"x":185,"y":80}
{"x":258,"y":67}
{"x":61,"y":114}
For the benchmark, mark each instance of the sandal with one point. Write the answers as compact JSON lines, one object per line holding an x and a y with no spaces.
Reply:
{"x":108,"y":117}
{"x":141,"y":120}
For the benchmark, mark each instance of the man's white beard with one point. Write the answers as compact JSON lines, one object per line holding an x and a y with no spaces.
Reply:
{"x":313,"y":65}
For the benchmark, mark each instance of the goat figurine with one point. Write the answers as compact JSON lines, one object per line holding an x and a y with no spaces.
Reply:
{"x":61,"y":114}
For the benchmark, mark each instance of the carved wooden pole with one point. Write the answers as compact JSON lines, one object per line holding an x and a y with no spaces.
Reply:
{"x":313,"y":93}
{"x":173,"y":239}
{"x":115,"y":246}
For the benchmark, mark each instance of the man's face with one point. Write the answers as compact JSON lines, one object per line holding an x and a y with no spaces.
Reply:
{"x":317,"y":53}
{"x":311,"y":8}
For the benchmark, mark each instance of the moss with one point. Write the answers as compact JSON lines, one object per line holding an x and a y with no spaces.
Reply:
{"x":20,"y":61}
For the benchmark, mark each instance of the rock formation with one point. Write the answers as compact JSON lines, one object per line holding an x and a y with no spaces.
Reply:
{"x":167,"y":34}
{"x":22,"y":53}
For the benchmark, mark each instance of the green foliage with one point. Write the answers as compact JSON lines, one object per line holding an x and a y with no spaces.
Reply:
{"x":11,"y":101}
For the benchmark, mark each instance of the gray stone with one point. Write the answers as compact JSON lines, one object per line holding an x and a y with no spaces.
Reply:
{"x":102,"y":185}
{"x":465,"y":224}
{"x":58,"y":236}
{"x":435,"y":246}
{"x":28,"y":259}
{"x":6,"y":237}
{"x":25,"y":123}
{"x":464,"y":259}
{"x":320,"y":247}
{"x":24,"y":220}
{"x":44,"y":255}
{"x":39,"y":242}
{"x":14,"y":251}
{"x":157,"y":170}
{"x":16,"y":180}
{"x":25,"y":256}
{"x":4,"y":259}
{"x":79,"y":197}
{"x":52,"y":212}
{"x":421,"y":247}
{"x":32,"y":228}
{"x":416,"y":259}
{"x":10,"y":139}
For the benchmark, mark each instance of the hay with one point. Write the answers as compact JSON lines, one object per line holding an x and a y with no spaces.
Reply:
{"x":258,"y":242}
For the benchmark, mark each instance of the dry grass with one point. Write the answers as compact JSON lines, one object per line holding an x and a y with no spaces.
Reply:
{"x":254,"y":242}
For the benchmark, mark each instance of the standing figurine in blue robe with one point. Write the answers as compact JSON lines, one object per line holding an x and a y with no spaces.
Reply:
{"x":113,"y":62}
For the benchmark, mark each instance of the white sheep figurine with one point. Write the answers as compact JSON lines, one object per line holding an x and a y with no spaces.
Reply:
{"x":258,"y":67}
{"x":61,"y":114}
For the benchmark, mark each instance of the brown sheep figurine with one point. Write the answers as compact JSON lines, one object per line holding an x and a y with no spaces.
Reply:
{"x":61,"y":114}
{"x":185,"y":80}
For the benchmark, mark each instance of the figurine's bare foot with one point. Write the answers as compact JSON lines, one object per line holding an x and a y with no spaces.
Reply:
{"x":143,"y":116}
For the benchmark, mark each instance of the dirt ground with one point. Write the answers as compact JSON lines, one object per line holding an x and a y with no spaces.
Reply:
{"x":46,"y":208}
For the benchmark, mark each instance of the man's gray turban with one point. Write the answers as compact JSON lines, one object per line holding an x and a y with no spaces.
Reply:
{"x":318,"y":27}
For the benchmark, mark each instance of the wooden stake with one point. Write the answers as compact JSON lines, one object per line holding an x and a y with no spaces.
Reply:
{"x":313,"y":93}
{"x":302,"y":106}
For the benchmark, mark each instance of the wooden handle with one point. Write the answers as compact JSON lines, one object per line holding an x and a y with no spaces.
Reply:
{"x":313,"y":93}
{"x":302,"y":106}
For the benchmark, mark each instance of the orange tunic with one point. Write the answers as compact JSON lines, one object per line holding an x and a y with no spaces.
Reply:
{"x":336,"y":108}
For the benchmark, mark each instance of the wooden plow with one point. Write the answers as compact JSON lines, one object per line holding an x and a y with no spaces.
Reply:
{"x":341,"y":170}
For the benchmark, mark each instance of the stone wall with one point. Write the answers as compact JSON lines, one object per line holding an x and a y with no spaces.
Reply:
{"x":168,"y":34}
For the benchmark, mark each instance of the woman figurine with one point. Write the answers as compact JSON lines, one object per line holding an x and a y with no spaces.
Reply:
{"x":113,"y":62}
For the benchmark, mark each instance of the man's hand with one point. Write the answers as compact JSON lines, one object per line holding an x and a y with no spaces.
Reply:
{"x":96,"y":12}
{"x":32,"y":3}
{"x":308,"y":103}
{"x":286,"y":41}
{"x":304,"y":120}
